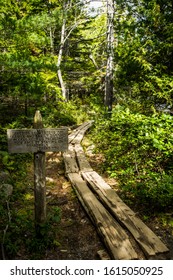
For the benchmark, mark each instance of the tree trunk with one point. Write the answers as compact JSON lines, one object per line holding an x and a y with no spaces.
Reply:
{"x":110,"y":56}
{"x":64,"y":36}
{"x":61,"y":81}
{"x":66,"y":6}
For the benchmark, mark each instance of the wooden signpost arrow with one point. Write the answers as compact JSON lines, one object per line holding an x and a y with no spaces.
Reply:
{"x":38,"y":141}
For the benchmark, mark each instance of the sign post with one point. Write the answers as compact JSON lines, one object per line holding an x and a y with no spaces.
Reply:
{"x":38,"y":141}
{"x":39,"y":180}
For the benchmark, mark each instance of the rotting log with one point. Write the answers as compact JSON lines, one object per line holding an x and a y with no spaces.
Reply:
{"x":151,"y":245}
{"x":114,"y":237}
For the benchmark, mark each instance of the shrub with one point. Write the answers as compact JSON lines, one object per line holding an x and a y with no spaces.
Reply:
{"x":138,"y":152}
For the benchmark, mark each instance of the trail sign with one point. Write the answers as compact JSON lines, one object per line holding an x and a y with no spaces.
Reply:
{"x":38,"y":141}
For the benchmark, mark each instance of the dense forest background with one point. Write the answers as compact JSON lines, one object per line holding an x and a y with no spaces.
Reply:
{"x":113,"y":65}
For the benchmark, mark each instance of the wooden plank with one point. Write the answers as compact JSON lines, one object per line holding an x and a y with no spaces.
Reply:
{"x":80,"y":133}
{"x":69,"y":157}
{"x":76,"y":131}
{"x":71,"y":165}
{"x":103,"y":255}
{"x":148,"y":241}
{"x":114,"y":237}
{"x":81,"y":159}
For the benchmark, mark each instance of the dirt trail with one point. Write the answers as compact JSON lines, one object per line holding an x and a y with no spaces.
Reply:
{"x":77,"y":237}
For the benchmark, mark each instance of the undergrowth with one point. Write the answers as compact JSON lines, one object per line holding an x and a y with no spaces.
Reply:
{"x":138,"y":152}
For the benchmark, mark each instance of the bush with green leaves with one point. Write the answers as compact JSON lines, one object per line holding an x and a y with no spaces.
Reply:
{"x":61,"y":113}
{"x":139,"y":152}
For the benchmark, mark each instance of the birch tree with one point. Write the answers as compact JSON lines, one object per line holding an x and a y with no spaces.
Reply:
{"x":110,"y":55}
{"x":60,"y":53}
{"x":66,"y":30}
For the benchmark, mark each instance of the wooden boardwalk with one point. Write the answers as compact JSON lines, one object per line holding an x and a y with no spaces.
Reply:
{"x":125,"y":236}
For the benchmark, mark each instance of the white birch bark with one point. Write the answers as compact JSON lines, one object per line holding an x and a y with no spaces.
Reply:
{"x":60,"y":54}
{"x":110,"y":55}
{"x":64,"y":36}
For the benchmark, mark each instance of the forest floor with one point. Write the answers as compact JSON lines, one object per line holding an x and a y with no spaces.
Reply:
{"x":76,"y":237}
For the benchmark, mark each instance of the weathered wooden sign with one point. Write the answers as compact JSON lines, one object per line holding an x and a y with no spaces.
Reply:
{"x":37,"y":140}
